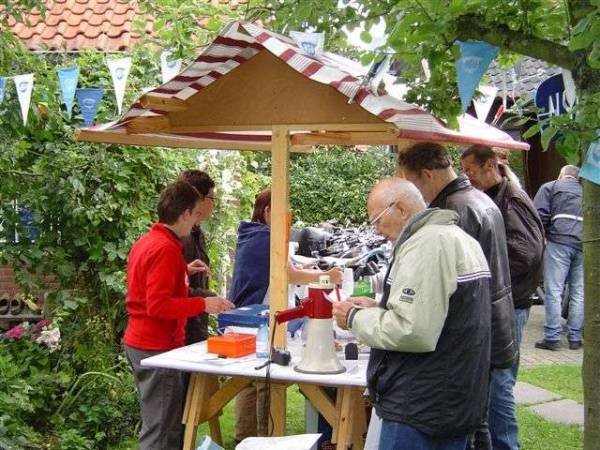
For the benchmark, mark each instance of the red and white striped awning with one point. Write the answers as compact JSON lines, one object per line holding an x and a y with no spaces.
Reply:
{"x":241,"y":41}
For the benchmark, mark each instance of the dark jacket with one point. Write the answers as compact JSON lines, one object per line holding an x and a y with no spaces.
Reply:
{"x":194,"y":247}
{"x":442,"y":393}
{"x":252,"y":264}
{"x":560,"y":206}
{"x":524,"y":239}
{"x":480,"y":217}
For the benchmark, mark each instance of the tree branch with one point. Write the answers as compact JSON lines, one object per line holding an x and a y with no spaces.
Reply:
{"x":472,"y":26}
{"x":19,"y":173}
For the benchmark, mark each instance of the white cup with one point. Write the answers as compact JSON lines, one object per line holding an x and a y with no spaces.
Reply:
{"x":348,"y":282}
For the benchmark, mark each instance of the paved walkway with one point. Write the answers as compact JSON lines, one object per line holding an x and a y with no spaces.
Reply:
{"x":534,"y":331}
{"x":549,"y":405}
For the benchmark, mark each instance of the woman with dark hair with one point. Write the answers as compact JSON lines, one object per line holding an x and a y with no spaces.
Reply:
{"x":252,"y":258}
{"x":250,"y":286}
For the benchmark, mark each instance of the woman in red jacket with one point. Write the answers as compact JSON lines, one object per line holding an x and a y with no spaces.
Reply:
{"x":158,"y":307}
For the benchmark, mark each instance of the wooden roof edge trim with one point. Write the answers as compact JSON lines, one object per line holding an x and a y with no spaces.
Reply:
{"x":385,"y":127}
{"x":153,"y":140}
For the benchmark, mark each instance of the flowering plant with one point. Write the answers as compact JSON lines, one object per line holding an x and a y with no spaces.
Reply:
{"x":43,"y":332}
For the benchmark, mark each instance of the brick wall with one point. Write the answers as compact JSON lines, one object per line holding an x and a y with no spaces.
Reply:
{"x":8,"y":283}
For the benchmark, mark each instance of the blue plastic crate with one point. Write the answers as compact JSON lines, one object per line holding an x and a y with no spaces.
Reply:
{"x":246,"y":316}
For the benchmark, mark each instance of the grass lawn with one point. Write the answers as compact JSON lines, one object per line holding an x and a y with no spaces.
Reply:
{"x":562,"y":379}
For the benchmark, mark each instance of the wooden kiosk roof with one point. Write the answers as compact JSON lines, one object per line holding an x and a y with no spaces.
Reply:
{"x":253,"y":89}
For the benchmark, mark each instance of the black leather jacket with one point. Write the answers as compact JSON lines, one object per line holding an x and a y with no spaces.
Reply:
{"x":481,"y":218}
{"x":524,"y":239}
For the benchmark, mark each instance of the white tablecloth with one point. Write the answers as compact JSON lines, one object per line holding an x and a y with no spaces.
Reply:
{"x":194,"y":358}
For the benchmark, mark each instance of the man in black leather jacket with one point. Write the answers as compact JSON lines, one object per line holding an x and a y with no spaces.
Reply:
{"x":195,"y":254}
{"x":525,"y":241}
{"x":429,"y":167}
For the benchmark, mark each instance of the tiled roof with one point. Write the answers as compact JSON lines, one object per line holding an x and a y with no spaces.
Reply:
{"x":524,"y":76}
{"x":104,"y":25}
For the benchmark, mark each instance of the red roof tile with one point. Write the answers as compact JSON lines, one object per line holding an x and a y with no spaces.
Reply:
{"x":104,"y":25}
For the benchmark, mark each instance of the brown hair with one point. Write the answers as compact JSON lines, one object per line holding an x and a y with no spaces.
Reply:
{"x":262,"y":200}
{"x":424,"y":155}
{"x":175,"y":199}
{"x":481,"y":153}
{"x":199,"y":179}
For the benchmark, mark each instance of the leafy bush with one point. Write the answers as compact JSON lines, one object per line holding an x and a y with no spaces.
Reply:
{"x":334,"y":184}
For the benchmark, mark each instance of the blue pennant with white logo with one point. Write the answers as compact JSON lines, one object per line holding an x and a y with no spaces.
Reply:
{"x":67,"y":78}
{"x":89,"y":101}
{"x":2,"y":88}
{"x":475,"y":58}
{"x":591,"y":166}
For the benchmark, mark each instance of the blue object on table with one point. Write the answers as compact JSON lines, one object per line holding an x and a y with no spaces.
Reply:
{"x":246,"y":316}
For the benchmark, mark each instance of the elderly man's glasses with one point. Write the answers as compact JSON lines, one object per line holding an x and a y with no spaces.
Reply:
{"x":378,"y":217}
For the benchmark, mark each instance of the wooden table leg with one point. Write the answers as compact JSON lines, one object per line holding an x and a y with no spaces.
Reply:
{"x":351,"y":419}
{"x":339,"y":397}
{"x":200,"y":389}
{"x":278,"y":403}
{"x":191,"y":411}
{"x":215,"y":430}
{"x":360,"y":422}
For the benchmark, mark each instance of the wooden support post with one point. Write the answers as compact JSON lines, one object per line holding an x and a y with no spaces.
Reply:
{"x":278,"y":409}
{"x":278,"y":286}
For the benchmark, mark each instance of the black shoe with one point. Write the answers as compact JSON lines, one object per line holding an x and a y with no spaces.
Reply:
{"x":4,"y":304}
{"x":575,"y":345}
{"x":548,"y":345}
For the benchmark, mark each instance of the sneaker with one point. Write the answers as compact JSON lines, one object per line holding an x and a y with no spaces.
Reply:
{"x":575,"y":345}
{"x":548,"y":345}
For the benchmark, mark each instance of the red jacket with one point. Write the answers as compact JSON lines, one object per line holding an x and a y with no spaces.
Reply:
{"x":157,"y":292}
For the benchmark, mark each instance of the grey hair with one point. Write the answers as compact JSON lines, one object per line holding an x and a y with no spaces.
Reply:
{"x":569,"y":171}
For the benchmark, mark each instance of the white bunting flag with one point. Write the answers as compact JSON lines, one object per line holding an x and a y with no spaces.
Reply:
{"x":24,"y":85}
{"x":570,"y":96}
{"x":484,"y":103}
{"x":169,"y":68}
{"x":119,"y":70}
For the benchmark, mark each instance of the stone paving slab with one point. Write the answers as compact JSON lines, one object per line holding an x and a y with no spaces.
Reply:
{"x":534,"y":331}
{"x":563,"y":411}
{"x":528,"y":394}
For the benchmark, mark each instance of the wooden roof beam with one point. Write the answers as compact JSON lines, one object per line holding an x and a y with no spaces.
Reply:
{"x":163,"y":103}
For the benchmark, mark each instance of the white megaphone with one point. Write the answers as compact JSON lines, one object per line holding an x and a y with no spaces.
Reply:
{"x":319,"y":353}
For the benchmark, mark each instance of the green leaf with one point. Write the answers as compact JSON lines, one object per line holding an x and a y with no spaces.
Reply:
{"x":547,"y":136}
{"x":366,"y":37}
{"x":532,"y":131}
{"x":581,"y":41}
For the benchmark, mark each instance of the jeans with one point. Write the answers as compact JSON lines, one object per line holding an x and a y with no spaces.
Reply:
{"x":563,"y":265}
{"x":502,"y":413}
{"x":399,"y":436}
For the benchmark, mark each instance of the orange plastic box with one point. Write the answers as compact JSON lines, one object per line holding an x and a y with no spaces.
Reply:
{"x":232,"y":345}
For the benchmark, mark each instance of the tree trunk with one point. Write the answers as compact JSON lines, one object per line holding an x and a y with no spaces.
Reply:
{"x":591,"y":356}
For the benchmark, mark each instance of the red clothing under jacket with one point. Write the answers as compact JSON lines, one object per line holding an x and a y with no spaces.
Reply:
{"x":157,"y":292}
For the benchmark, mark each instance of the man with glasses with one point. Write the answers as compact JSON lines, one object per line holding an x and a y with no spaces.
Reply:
{"x":430,"y":334}
{"x":429,"y":167}
{"x":195,"y":254}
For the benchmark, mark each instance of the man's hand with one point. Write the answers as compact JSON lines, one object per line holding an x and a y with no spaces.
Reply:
{"x":362,"y":302}
{"x":197,"y":266}
{"x":336,"y":275}
{"x":216,"y":305}
{"x":340,"y":313}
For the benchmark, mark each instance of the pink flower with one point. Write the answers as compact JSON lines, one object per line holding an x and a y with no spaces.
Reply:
{"x":15,"y":332}
{"x":41,"y":324}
